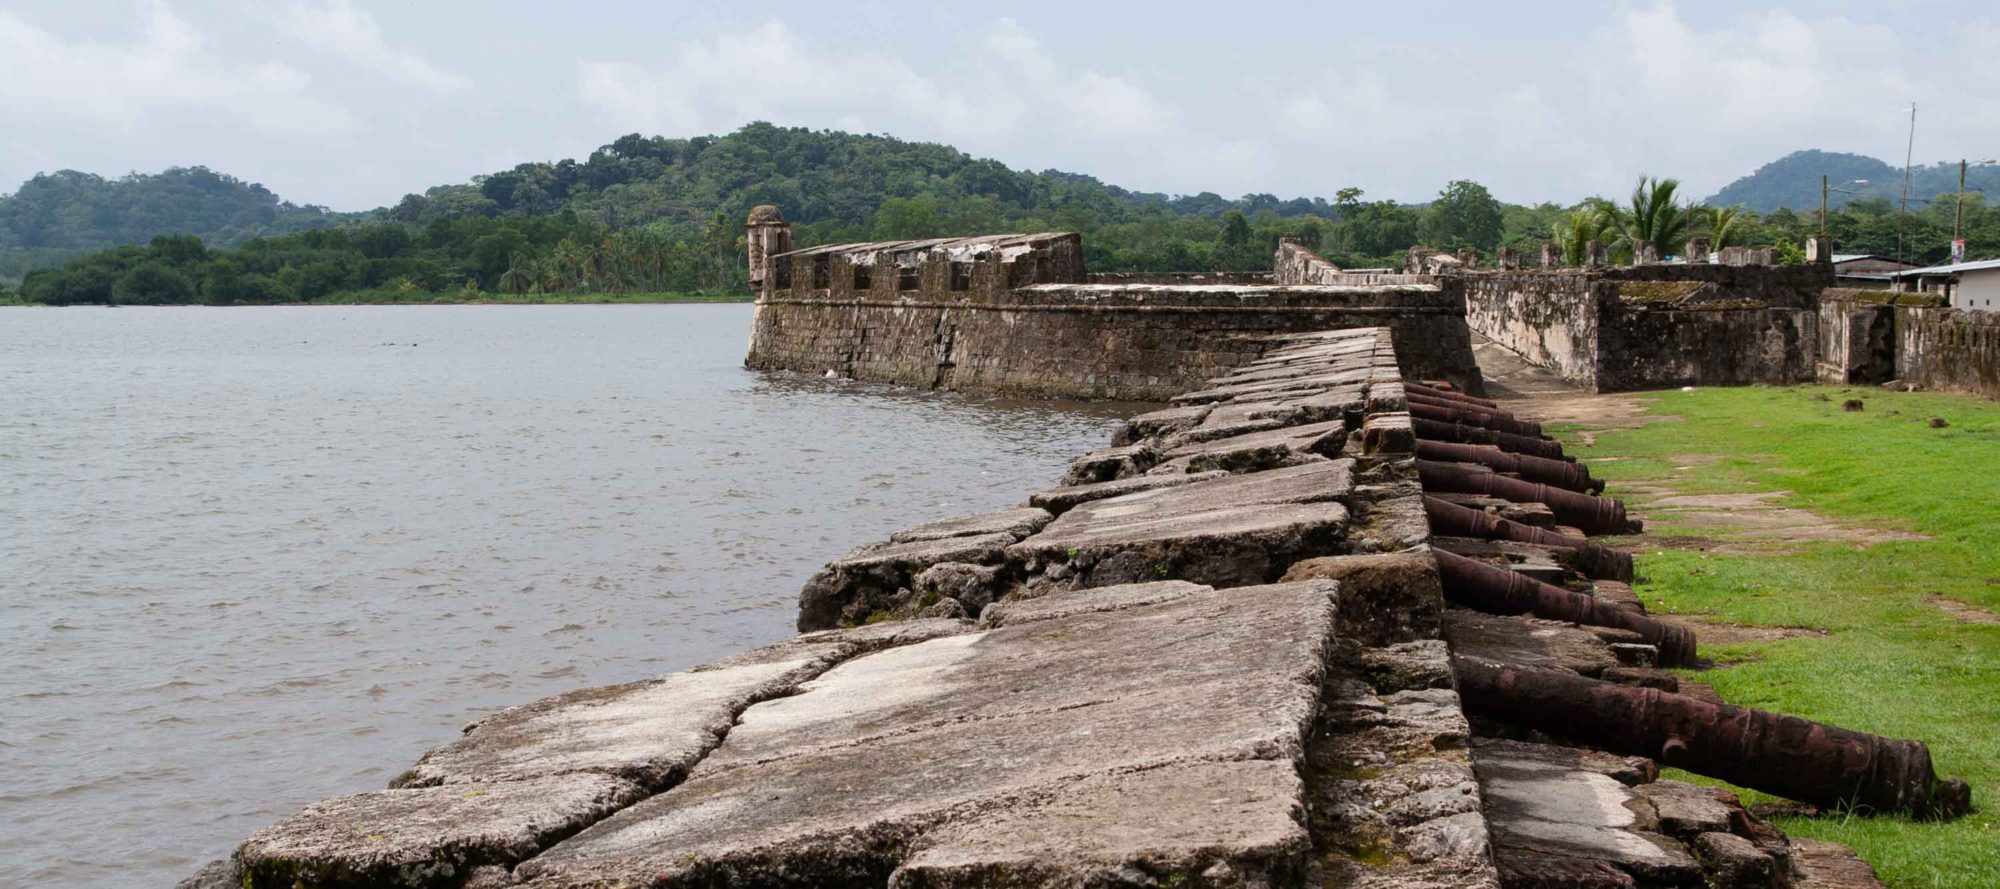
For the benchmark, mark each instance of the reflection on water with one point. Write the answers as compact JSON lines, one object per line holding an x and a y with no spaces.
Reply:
{"x":250,"y":558}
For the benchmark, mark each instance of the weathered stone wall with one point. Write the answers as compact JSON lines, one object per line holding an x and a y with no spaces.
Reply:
{"x":1856,"y":337}
{"x":1135,"y":342}
{"x":1019,"y":314}
{"x":1949,"y":349}
{"x":1297,"y":264}
{"x":1655,"y":326}
{"x":1549,"y":318}
{"x":1653,"y":347}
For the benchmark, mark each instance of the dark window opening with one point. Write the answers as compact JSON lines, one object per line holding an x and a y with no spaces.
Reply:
{"x":822,"y":272}
{"x":862,"y":278}
{"x":906,"y":277}
{"x":961,"y":276}
{"x":784,"y":274}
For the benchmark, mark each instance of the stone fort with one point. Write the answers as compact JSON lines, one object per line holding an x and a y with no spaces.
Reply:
{"x":1320,"y":615}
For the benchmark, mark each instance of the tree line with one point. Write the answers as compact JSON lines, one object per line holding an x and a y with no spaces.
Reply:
{"x":665,"y":215}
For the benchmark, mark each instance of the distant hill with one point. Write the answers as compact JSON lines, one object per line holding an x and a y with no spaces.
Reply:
{"x":1794,"y":181}
{"x":55,"y":216}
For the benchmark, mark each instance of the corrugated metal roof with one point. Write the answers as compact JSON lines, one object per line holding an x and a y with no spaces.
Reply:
{"x":1980,"y":266}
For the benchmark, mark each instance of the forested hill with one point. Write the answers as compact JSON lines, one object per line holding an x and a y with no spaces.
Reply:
{"x":1794,"y":181}
{"x":58,"y":215}
{"x":833,"y":184}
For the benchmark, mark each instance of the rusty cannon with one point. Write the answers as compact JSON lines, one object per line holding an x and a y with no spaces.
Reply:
{"x":1452,"y":520}
{"x":1782,"y":755}
{"x":1495,"y":590}
{"x":1410,"y":388}
{"x":1450,"y":412}
{"x":1559,"y":473}
{"x":1435,"y":430}
{"x":1592,"y":515}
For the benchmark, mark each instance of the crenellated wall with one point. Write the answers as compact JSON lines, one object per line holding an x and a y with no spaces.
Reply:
{"x":1018,"y":314}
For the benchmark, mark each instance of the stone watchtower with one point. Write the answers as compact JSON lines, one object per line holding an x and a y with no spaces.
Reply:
{"x":768,"y":235}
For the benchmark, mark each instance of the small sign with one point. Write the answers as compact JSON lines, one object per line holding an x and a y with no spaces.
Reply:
{"x":1957,"y":251}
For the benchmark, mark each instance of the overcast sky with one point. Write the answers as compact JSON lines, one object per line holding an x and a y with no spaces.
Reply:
{"x":353,"y":103}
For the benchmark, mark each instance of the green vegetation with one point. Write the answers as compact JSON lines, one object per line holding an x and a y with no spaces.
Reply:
{"x":61,"y":215}
{"x":654,"y":214}
{"x":1894,"y":662}
{"x":1794,"y":181}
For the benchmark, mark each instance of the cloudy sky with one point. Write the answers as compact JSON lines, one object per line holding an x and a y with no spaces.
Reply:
{"x":353,"y":103}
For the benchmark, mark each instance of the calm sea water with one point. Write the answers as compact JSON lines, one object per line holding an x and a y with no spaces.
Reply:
{"x":250,"y":558}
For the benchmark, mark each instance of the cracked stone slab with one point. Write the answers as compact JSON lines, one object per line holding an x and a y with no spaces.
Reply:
{"x":1539,"y":811}
{"x":847,"y":780}
{"x":1111,"y":463}
{"x":1018,"y":523}
{"x":1223,"y":824}
{"x":1527,"y":641}
{"x":1158,"y":423}
{"x":1384,"y":597}
{"x":649,"y":733}
{"x":1685,"y":810}
{"x":1253,"y":451}
{"x":1318,"y":482}
{"x":427,"y":836}
{"x":869,"y":577}
{"x":1223,"y":546}
{"x":1061,"y":500}
{"x":1069,"y":603}
{"x":1628,"y":770}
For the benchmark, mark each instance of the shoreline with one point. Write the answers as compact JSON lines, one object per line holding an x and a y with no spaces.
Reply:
{"x":672,"y":299}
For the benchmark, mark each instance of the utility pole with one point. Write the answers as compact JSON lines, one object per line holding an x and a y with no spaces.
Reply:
{"x":1822,"y":201}
{"x":1958,"y":210}
{"x":1903,"y":218}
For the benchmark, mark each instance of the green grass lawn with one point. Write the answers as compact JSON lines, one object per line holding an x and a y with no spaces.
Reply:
{"x":1891,"y":664}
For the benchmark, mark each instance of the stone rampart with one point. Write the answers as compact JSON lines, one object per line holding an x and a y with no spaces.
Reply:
{"x":1654,"y":326}
{"x":1017,"y":314}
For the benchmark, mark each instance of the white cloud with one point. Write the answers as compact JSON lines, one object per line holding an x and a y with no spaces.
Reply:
{"x":169,"y":70}
{"x":1011,"y":94}
{"x":336,"y":26}
{"x":1650,"y":91}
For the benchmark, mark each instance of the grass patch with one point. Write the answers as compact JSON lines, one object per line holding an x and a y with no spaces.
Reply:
{"x":1893,"y":664}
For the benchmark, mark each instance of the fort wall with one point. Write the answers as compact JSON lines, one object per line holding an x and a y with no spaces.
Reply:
{"x":1938,"y":347}
{"x":1654,"y":326}
{"x":1019,"y":314}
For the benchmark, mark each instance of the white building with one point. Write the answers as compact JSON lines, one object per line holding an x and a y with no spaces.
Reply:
{"x":1968,"y":285}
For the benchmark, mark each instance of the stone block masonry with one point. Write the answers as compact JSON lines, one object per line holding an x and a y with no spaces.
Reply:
{"x":1654,"y":326}
{"x":1019,"y":314}
{"x":1217,"y":658}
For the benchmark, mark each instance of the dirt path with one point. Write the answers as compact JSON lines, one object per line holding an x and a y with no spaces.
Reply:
{"x":1748,"y":522}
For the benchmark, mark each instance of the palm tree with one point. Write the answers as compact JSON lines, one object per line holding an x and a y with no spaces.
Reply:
{"x":1727,"y":226}
{"x":1655,"y":216}
{"x":1590,"y":222}
{"x":521,"y":275}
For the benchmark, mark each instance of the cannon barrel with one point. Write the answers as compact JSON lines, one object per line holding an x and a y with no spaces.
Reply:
{"x":1450,"y":394}
{"x":1459,"y":432}
{"x":1560,"y":473}
{"x":1447,"y":412}
{"x":1452,"y":520}
{"x":1783,"y":755}
{"x":1496,"y":590}
{"x":1593,"y":515}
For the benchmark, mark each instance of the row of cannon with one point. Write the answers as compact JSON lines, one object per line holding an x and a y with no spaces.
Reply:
{"x":1469,"y":445}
